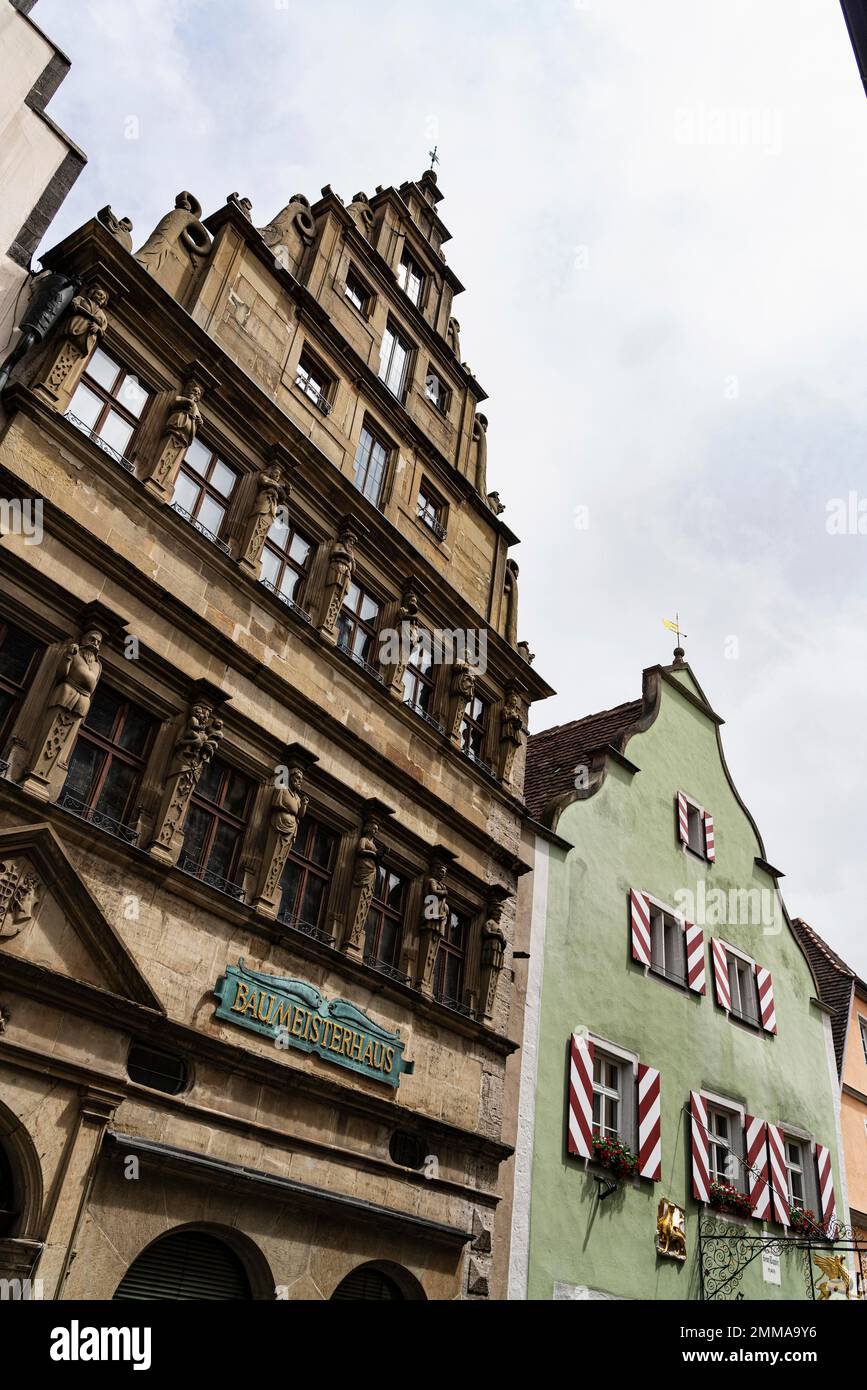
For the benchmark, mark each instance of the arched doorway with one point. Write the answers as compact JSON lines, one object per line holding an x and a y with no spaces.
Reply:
{"x":187,"y":1264}
{"x":378,"y":1282}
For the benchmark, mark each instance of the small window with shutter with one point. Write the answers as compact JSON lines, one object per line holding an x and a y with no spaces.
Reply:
{"x":695,"y":828}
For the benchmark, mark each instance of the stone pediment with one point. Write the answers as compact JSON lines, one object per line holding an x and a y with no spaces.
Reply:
{"x":50,"y":919}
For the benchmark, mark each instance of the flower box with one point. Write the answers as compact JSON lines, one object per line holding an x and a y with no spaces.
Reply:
{"x":728,"y":1198}
{"x":805,"y":1222}
{"x":613,"y":1154}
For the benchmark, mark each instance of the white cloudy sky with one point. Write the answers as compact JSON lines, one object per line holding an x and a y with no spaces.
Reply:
{"x":660,"y":212}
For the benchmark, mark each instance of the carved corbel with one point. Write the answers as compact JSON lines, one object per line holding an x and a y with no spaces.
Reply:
{"x":493,"y":951}
{"x":272,"y":493}
{"x":512,"y":730}
{"x":462,"y":688}
{"x":77,"y":674}
{"x":183,"y":419}
{"x":198,"y":739}
{"x":364,"y":875}
{"x":286,"y":811}
{"x":434,"y":917}
{"x":341,"y":563}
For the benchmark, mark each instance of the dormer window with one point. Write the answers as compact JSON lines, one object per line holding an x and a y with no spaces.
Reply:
{"x":410,"y":277}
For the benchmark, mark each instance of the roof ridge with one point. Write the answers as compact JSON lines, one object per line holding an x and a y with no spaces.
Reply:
{"x":597,"y":714}
{"x":828,"y":952}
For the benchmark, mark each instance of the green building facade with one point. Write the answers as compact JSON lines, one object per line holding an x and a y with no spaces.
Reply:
{"x":665,"y":889}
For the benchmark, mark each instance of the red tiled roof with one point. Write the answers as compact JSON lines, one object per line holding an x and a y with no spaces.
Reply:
{"x":834,"y":979}
{"x":553,"y":754}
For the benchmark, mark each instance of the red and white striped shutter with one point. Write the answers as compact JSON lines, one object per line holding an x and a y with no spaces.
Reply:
{"x":756,"y":1149}
{"x":694,"y":940}
{"x":639,"y":914}
{"x":682,"y":819}
{"x":649,"y":1124}
{"x":580,"y":1096}
{"x":700,"y":1174}
{"x":827,"y":1203}
{"x":721,"y":974}
{"x":779,"y":1178}
{"x":709,"y":848}
{"x":765,"y":987}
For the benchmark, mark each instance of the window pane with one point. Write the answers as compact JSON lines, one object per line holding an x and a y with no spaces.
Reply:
{"x":211,"y":514}
{"x":290,"y":883}
{"x":289,"y":583}
{"x":103,"y":712}
{"x":321,"y":849}
{"x":389,"y":941}
{"x":196,"y":828}
{"x":85,"y":766}
{"x":132,"y":395}
{"x":103,"y":369}
{"x":223,"y":850}
{"x":313,"y":902}
{"x":353,"y":598}
{"x":223,"y":478}
{"x":186,"y":492}
{"x":210,"y":779}
{"x":136,"y":728}
{"x":270,"y":566}
{"x":198,"y":457}
{"x":116,"y":790}
{"x":369,"y":609}
{"x":299,"y":550}
{"x":16,"y":653}
{"x":85,"y":406}
{"x":279,"y":531}
{"x":235,"y":796}
{"x":115,"y":432}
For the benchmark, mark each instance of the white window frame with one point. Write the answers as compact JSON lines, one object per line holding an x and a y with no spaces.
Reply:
{"x":628,"y":1062}
{"x":407,"y":255}
{"x":692,"y":804}
{"x":737,"y":1014}
{"x":735,"y":1111}
{"x":679,"y":918}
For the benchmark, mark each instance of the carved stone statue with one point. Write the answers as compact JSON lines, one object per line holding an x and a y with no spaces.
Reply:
{"x":271,"y":492}
{"x":120,"y":227}
{"x":341,"y":562}
{"x":409,"y":631}
{"x":511,"y":734}
{"x":242,"y":204}
{"x":462,"y":688}
{"x":77,"y":676}
{"x":453,"y":337}
{"x":433,"y":925}
{"x":290,"y":233}
{"x":82,"y":331}
{"x":496,"y":506}
{"x":288,"y":805}
{"x":493,"y":955}
{"x":362,"y":214}
{"x":194,"y":747}
{"x":182,"y":424}
{"x":510,"y":624}
{"x":524,"y":651}
{"x":176,"y":246}
{"x":18,"y":893}
{"x":363,"y":884}
{"x":479,"y":454}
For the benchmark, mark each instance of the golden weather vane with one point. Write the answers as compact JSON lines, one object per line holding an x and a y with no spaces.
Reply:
{"x":675,"y":627}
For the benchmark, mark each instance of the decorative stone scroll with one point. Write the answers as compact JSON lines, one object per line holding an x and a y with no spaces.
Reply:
{"x":462,"y":688}
{"x":511,"y":733}
{"x":79,"y":668}
{"x":362,"y":214}
{"x":82,"y":331}
{"x":18,"y":893}
{"x":176,"y":246}
{"x":341,"y":562}
{"x":364,"y":871}
{"x":493,"y":953}
{"x":194,"y":748}
{"x":288,"y":805}
{"x":434,"y":919}
{"x":120,"y":227}
{"x":289,"y":234}
{"x":272,"y":491}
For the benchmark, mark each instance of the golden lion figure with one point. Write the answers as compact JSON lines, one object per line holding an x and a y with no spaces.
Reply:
{"x":670,"y":1231}
{"x":837,"y":1277}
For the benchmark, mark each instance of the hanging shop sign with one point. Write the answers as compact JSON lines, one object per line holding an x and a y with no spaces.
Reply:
{"x":295,"y":1014}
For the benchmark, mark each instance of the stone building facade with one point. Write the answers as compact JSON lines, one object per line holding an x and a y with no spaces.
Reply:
{"x":263,"y":722}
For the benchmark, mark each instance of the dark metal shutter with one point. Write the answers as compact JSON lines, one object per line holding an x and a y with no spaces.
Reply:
{"x":366,"y":1283}
{"x":189,"y":1265}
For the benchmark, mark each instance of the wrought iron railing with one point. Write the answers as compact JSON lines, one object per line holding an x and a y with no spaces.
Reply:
{"x":202,"y":529}
{"x":360,"y":661}
{"x":383,"y":968}
{"x":308,"y":928}
{"x":319,"y":398}
{"x":423,"y":714}
{"x":456,"y":1005}
{"x":289,"y":602}
{"x":100,"y":443}
{"x":76,"y":807}
{"x":188,"y":865}
{"x":432,"y":525}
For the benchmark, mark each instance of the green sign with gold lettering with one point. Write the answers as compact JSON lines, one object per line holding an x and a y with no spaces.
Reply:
{"x":295,"y":1014}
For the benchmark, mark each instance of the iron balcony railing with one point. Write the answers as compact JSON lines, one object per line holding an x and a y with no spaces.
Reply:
{"x":76,"y":807}
{"x":202,"y":530}
{"x":383,"y":968}
{"x":288,"y":602}
{"x":308,"y":928}
{"x":455,"y":1004}
{"x":360,"y":661}
{"x":100,"y":443}
{"x":432,"y":525}
{"x":188,"y":865}
{"x":423,"y":714}
{"x":319,"y":398}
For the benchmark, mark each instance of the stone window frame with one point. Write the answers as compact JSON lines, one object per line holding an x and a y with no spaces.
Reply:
{"x":399,"y":335}
{"x":435,"y":499}
{"x":247,"y":824}
{"x":8,"y":687}
{"x":371,"y":955}
{"x":369,"y":295}
{"x":370,"y":590}
{"x":423,"y":679}
{"x":407,"y":257}
{"x":462,"y":953}
{"x":315,"y":816}
{"x":379,"y":436}
{"x":112,"y":402}
{"x":206,"y":440}
{"x":443,"y":406}
{"x":187,"y":1079}
{"x":311,"y":363}
{"x":486,"y":727}
{"x":114,"y":753}
{"x":302,"y":589}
